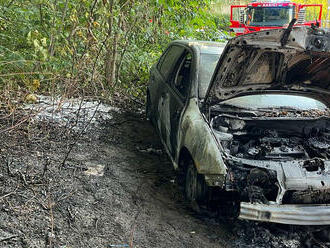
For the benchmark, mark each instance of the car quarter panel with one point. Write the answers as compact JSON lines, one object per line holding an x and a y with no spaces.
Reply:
{"x":197,"y":137}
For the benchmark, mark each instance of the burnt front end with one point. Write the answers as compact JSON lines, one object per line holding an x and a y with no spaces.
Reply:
{"x":278,"y":164}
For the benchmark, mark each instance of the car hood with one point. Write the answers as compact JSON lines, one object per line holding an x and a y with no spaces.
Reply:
{"x":265,"y":61}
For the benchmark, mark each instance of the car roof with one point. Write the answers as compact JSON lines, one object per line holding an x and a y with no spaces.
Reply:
{"x":205,"y":47}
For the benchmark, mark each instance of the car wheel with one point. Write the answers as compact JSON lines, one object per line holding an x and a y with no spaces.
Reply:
{"x":195,"y":187}
{"x":148,"y":107}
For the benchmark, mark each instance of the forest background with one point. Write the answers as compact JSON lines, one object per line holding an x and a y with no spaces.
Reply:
{"x":100,"y":48}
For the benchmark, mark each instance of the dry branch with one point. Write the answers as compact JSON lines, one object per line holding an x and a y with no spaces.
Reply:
{"x":8,"y":238}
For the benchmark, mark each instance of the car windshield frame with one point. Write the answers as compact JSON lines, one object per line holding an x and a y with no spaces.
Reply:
{"x":206,"y":71}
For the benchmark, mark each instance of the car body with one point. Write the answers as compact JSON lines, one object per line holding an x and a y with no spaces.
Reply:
{"x":256,"y":144}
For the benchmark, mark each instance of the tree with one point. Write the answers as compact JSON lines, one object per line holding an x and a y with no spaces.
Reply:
{"x":81,"y":45}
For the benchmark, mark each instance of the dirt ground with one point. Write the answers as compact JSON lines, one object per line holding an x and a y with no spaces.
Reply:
{"x":83,"y":174}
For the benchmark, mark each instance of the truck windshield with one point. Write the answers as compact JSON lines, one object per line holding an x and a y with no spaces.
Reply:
{"x":269,"y":16}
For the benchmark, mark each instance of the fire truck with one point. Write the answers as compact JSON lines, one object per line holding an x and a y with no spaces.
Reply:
{"x":262,"y":15}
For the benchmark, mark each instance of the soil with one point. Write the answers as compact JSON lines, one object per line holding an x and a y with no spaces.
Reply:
{"x":84,"y":174}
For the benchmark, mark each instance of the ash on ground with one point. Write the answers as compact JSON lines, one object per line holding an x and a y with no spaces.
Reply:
{"x":71,"y":113}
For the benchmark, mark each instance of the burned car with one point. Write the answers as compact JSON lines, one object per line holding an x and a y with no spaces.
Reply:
{"x":256,"y":143}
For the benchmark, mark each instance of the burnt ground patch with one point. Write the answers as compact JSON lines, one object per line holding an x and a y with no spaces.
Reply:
{"x":107,"y":185}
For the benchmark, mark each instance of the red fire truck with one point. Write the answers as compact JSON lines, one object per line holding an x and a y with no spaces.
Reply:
{"x":271,"y":14}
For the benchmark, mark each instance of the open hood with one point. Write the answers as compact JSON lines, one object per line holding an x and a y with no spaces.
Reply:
{"x":280,"y":60}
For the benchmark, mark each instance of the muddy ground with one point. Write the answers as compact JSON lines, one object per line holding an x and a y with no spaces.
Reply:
{"x":83,"y":174}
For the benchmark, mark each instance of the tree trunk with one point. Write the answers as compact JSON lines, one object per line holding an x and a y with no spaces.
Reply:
{"x":108,"y":56}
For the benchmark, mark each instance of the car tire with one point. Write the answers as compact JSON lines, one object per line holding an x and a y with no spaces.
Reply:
{"x":148,"y":107}
{"x":194,"y":187}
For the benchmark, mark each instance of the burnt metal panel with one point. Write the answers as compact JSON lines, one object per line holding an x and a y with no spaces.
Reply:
{"x":198,"y":138}
{"x":286,"y":214}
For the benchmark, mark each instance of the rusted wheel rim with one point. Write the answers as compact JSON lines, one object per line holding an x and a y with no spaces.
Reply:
{"x":191,"y":183}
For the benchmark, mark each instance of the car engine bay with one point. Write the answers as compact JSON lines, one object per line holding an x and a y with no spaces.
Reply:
{"x":282,"y":158}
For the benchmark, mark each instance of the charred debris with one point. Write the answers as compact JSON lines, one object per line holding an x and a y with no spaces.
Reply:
{"x":257,"y":147}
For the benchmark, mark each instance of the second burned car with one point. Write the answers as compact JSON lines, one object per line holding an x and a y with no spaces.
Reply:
{"x":256,"y":144}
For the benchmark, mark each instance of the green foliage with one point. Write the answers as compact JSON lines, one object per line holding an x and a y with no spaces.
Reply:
{"x":73,"y":46}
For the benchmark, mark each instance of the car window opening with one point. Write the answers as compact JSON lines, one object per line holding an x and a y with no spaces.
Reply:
{"x":182,"y":78}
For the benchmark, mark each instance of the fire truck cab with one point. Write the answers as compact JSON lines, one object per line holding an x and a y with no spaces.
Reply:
{"x":261,"y":15}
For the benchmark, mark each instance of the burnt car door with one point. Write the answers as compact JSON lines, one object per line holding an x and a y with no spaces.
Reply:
{"x":179,"y":93}
{"x":166,"y":67}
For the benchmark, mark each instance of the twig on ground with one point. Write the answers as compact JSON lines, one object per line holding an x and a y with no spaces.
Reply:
{"x":137,"y":101}
{"x":136,"y":215}
{"x":79,"y":135}
{"x":20,"y":122}
{"x":16,"y":125}
{"x":25,"y":73}
{"x":51,"y":216}
{"x":133,"y":231}
{"x":8,"y":164}
{"x":79,"y":109}
{"x":23,"y":178}
{"x":8,"y":238}
{"x":71,"y":216}
{"x":65,"y":196}
{"x":6,"y":195}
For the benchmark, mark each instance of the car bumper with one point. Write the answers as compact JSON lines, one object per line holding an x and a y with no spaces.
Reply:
{"x":286,"y":214}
